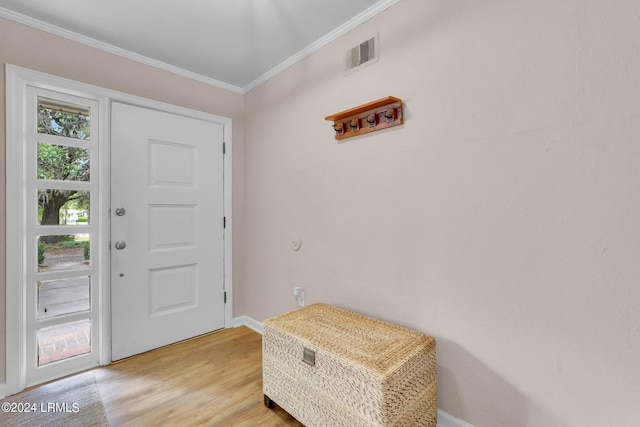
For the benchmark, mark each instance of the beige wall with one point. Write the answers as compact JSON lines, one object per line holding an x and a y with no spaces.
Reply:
{"x":37,"y":50}
{"x":502,"y":218}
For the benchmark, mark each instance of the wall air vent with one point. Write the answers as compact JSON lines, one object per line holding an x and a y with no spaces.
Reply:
{"x":365,"y":53}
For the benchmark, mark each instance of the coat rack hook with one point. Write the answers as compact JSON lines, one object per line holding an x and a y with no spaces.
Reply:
{"x":338,"y":129}
{"x":371,"y":120}
{"x":354,"y":127}
{"x":388,"y":115}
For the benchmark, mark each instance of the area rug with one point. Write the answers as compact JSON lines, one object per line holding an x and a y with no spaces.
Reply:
{"x":69,"y":402}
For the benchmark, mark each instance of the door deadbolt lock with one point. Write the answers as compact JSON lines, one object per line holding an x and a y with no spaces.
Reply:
{"x":120,"y":245}
{"x":120,"y":211}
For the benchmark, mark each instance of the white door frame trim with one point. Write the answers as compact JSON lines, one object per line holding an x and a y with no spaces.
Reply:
{"x":17,"y":79}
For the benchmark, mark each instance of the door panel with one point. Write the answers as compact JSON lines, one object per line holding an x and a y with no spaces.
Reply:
{"x":167,"y":282}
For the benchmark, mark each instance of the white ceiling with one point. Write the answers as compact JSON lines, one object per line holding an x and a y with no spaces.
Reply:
{"x":236,"y":44}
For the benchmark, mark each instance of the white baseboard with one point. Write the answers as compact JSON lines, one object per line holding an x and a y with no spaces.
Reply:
{"x":248,"y":322}
{"x":444,"y":419}
{"x":448,"y":420}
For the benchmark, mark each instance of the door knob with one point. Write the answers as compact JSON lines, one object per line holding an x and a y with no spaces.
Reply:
{"x":120,"y":211}
{"x":120,"y":245}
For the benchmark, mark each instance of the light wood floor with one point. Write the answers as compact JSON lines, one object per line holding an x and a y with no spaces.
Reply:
{"x":213,"y":380}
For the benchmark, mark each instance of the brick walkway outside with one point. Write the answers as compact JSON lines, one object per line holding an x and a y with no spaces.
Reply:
{"x":64,"y":341}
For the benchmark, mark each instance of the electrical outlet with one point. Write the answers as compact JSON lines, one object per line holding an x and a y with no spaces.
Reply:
{"x":298,"y":292}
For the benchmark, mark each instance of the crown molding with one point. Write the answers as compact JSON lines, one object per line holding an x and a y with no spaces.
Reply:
{"x":88,"y":41}
{"x":320,"y":43}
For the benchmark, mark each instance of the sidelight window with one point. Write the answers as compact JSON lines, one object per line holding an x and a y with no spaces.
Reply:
{"x":63,"y":285}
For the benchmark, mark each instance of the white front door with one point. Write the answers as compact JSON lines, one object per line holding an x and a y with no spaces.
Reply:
{"x":167,"y":236}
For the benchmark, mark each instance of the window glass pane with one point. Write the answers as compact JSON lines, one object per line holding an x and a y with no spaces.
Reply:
{"x":64,"y":296}
{"x":63,"y":119}
{"x":63,"y":207}
{"x":63,"y":341}
{"x":63,"y":252}
{"x":63,"y":162}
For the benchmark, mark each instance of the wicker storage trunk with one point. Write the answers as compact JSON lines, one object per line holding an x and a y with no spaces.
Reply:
{"x":331,"y":367}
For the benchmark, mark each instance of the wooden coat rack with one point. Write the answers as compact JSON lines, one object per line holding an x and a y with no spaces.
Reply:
{"x":375,"y":115}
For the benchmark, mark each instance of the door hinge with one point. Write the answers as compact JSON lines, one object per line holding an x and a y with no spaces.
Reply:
{"x":224,"y":222}
{"x":224,"y":148}
{"x":225,"y":297}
